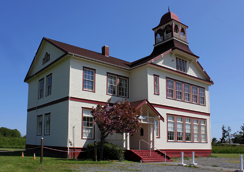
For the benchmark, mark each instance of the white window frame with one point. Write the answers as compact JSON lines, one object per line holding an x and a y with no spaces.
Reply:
{"x":113,"y":84}
{"x":47,"y":125}
{"x":202,"y":96}
{"x":188,"y":123}
{"x":196,"y":130}
{"x":87,"y":124}
{"x":39,"y":125}
{"x":157,"y":128}
{"x":123,"y":86}
{"x":170,"y":89}
{"x":203,"y":131}
{"x":49,"y":85}
{"x":88,"y":77}
{"x":180,"y":130}
{"x":172,"y":121}
{"x":179,"y":91}
{"x":41,"y":88}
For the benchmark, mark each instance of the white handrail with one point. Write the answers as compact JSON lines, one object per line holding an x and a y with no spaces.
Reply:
{"x":150,"y":148}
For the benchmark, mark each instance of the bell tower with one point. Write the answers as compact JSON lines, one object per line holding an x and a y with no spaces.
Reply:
{"x":170,"y":28}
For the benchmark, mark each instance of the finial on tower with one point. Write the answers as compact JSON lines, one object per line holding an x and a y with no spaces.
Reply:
{"x":168,"y":9}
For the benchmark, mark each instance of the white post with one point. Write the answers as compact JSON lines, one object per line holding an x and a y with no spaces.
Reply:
{"x":193,"y":159}
{"x":182,"y":159}
{"x":241,"y":164}
{"x":124,"y":141}
{"x":128,"y":141}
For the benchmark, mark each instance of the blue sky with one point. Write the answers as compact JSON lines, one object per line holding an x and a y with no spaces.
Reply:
{"x":215,"y":34}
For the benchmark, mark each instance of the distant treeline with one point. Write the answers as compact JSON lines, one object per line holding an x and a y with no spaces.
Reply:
{"x":239,"y":149}
{"x":11,"y":138}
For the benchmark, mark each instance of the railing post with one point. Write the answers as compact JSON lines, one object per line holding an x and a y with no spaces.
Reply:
{"x":41,"y":159}
{"x":193,"y":159}
{"x":182,"y":159}
{"x":241,"y":164}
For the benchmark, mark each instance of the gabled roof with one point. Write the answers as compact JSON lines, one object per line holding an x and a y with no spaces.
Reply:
{"x":139,"y":103}
{"x":84,"y":53}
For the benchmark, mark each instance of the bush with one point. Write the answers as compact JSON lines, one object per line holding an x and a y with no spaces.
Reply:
{"x":12,"y":142}
{"x":111,"y":151}
{"x":6,"y":132}
{"x":228,"y":149}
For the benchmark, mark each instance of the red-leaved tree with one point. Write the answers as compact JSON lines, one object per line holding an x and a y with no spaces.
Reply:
{"x":119,"y":118}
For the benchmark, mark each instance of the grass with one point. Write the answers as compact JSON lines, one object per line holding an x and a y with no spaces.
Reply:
{"x":12,"y":142}
{"x":14,"y":162}
{"x":220,"y":155}
{"x":11,"y":149}
{"x":228,"y":149}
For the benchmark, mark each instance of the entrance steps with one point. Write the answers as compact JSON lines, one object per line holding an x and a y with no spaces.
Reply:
{"x":144,"y":156}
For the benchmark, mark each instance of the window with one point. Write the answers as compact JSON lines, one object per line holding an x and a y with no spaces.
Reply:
{"x":142,"y":132}
{"x":176,"y":29}
{"x":47,"y":124}
{"x":187,"y":92}
{"x":49,"y":85}
{"x":188,"y":129}
{"x":179,"y":129}
{"x":196,"y":130}
{"x":180,"y":65}
{"x":88,"y":124}
{"x":123,"y":87}
{"x":203,"y":131}
{"x":194,"y":94}
{"x":39,"y":125}
{"x":89,"y":79}
{"x":178,"y":91}
{"x":41,"y":88}
{"x":157,"y":126}
{"x":182,"y":33}
{"x":171,"y":128}
{"x":117,"y":85}
{"x":156,"y":84}
{"x":202,"y":96}
{"x":159,"y":35}
{"x":170,"y":89}
{"x":46,"y":58}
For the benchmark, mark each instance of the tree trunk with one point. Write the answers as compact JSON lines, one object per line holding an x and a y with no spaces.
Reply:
{"x":101,"y":147}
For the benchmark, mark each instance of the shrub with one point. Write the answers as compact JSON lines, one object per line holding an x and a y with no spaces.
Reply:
{"x":111,"y":151}
{"x":12,"y":142}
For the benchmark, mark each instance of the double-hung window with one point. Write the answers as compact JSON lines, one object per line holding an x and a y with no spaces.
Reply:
{"x":171,"y":128}
{"x":194,"y":94}
{"x":156,"y":84}
{"x":39,"y":125}
{"x":49,"y":85}
{"x":187,"y":92}
{"x":47,"y":124}
{"x":202,"y":96}
{"x":88,"y":124}
{"x":178,"y":91}
{"x":157,"y":123}
{"x":180,"y":65}
{"x":203,"y":131}
{"x":170,"y":88}
{"x":123,"y":87}
{"x":41,"y":88}
{"x":179,"y":129}
{"x":196,"y":130}
{"x":117,"y":85}
{"x":89,"y":79}
{"x":188,"y":129}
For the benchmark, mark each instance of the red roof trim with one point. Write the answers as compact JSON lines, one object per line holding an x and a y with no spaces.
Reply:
{"x":209,"y":82}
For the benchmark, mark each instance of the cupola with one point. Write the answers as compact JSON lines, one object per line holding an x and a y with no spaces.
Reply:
{"x":170,"y":28}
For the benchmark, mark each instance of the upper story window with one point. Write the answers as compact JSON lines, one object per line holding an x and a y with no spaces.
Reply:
{"x":41,"y":88}
{"x":88,"y":124}
{"x":157,"y":126}
{"x":117,"y":85}
{"x":179,"y":90}
{"x":203,"y":130}
{"x":46,"y":58}
{"x":170,"y":88}
{"x":39,"y":125}
{"x":49,"y":85}
{"x":182,"y":32}
{"x":176,"y":29}
{"x":89,"y":79}
{"x":156,"y":84}
{"x":181,"y":65}
{"x":188,"y":129}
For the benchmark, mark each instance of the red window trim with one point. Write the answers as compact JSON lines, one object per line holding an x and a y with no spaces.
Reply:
{"x":39,"y":88}
{"x":183,"y":92}
{"x":94,"y":89}
{"x":49,"y":124}
{"x":37,"y":125}
{"x":85,"y":108}
{"x":158,"y":129}
{"x":47,"y":85}
{"x":184,"y":133}
{"x":156,"y":76}
{"x":117,"y":85}
{"x":180,"y":59}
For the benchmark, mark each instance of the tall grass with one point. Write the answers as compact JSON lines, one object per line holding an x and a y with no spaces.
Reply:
{"x":228,"y":149}
{"x":12,"y":142}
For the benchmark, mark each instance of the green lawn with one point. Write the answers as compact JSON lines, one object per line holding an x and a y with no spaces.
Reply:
{"x":220,"y":155}
{"x":11,"y":149}
{"x":15,"y":162}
